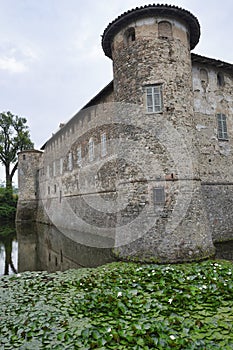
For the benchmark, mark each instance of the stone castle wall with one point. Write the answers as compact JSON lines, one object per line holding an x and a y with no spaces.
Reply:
{"x":110,"y":198}
{"x":215,"y":155}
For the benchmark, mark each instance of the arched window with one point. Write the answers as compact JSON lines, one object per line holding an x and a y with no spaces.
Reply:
{"x":70,"y":161}
{"x":91,"y":149}
{"x":204,"y":76}
{"x":220,"y":79}
{"x":79,"y":156}
{"x":129,"y":35}
{"x":165,"y":30}
{"x":103,"y":145}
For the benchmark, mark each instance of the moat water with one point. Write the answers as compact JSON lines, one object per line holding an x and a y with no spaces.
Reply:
{"x":40,"y":247}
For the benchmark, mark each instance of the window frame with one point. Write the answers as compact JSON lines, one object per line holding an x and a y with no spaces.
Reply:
{"x":153,"y":107}
{"x":222,"y":127}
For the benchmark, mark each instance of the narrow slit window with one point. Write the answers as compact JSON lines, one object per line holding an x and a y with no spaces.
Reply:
{"x":222,"y":127}
{"x":154,"y":102}
{"x":159,"y":195}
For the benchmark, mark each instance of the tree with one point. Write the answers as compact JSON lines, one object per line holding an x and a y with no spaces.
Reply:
{"x":14,"y":137}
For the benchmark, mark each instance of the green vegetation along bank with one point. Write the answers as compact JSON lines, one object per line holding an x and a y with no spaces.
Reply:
{"x":120,"y":306}
{"x":8,"y":204}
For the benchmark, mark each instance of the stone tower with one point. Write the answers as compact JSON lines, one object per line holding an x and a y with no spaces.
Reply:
{"x":150,"y":48}
{"x":29,"y":164}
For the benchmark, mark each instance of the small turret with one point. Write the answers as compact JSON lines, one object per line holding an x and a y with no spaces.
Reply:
{"x":28,"y":168}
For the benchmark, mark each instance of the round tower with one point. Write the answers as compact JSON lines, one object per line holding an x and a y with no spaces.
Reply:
{"x":28,"y":178}
{"x":150,"y":48}
{"x":151,"y":45}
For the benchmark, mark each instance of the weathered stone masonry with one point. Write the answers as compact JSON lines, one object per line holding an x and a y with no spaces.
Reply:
{"x":146,"y":166}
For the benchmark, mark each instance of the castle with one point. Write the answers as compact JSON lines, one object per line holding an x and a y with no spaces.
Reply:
{"x":146,"y":167}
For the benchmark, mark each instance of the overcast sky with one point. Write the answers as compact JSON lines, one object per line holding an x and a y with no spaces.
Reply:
{"x":51,"y":59}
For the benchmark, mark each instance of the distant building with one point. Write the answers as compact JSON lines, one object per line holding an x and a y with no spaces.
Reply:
{"x":146,"y":167}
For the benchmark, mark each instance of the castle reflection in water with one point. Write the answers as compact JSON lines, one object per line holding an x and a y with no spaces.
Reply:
{"x":39,"y":247}
{"x":44,"y":247}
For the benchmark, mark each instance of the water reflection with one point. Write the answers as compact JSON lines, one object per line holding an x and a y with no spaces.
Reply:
{"x":43,"y":247}
{"x":8,"y":249}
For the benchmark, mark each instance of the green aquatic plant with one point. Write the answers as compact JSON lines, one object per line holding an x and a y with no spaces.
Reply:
{"x":120,"y":306}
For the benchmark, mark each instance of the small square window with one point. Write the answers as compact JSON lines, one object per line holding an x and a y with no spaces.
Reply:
{"x":159,"y":195}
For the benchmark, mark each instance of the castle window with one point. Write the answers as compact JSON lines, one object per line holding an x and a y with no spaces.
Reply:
{"x":129,"y":35}
{"x":54,"y":168}
{"x":222,"y":127}
{"x":24,"y":157}
{"x":103,"y":145}
{"x":91,"y":149}
{"x":61,"y":166}
{"x":220,"y":79}
{"x":79,"y":156}
{"x":55,"y":188}
{"x":165,"y":30}
{"x":154,"y":102}
{"x":159,"y":195}
{"x":48,"y":189}
{"x":70,"y":162}
{"x":204,"y":76}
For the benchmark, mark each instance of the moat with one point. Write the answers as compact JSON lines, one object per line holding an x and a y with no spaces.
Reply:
{"x":37,"y":247}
